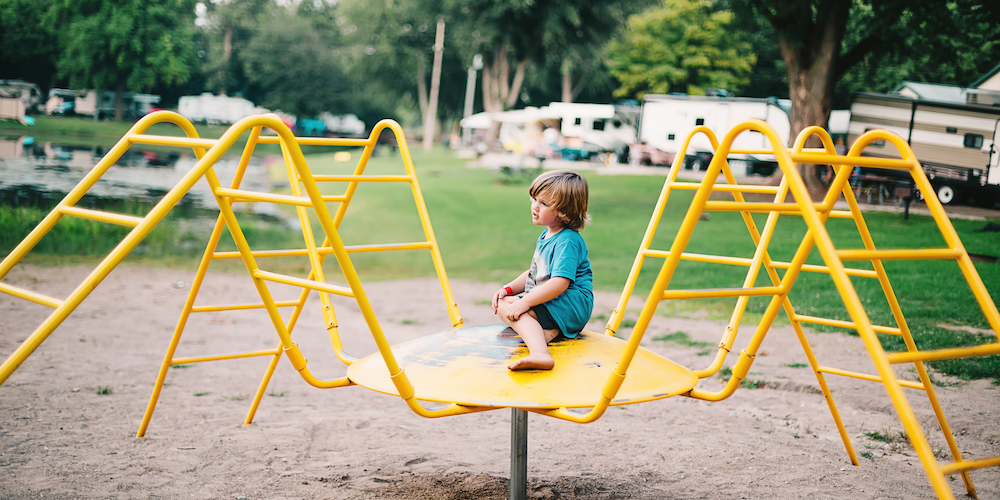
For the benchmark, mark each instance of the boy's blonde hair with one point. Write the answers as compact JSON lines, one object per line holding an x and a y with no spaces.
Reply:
{"x":569,"y":193}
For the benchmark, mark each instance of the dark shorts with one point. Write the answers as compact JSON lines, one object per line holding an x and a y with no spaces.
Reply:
{"x":545,"y":318}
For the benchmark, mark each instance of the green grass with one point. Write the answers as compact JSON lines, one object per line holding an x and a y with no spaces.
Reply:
{"x":482,"y":223}
{"x":887,"y":436}
{"x":682,"y":339}
{"x":104,"y":390}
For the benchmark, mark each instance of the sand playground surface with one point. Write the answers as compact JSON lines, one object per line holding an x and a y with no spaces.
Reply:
{"x":60,"y":438}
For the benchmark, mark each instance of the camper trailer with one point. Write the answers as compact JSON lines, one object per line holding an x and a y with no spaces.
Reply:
{"x":216,"y":109}
{"x":955,"y":143}
{"x":604,"y":127}
{"x":666,"y":120}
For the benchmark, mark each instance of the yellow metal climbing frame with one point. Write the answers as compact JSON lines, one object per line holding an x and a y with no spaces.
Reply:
{"x":629,"y":373}
{"x":305,"y":195}
{"x":815,"y":215}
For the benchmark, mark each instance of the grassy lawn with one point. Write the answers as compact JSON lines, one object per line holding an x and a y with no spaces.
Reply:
{"x":482,"y":222}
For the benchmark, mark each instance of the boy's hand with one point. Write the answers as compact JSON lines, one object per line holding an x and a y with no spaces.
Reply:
{"x":501,"y":293}
{"x":517,"y":308}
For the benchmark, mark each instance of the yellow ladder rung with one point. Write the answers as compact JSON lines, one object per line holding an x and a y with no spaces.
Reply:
{"x":751,"y":151}
{"x":844,"y":324}
{"x":741,"y":206}
{"x":864,"y":376}
{"x":858,"y":161}
{"x":861,"y":273}
{"x":97,"y":215}
{"x":283,"y":199}
{"x":200,"y":359}
{"x":914,"y":254}
{"x":723,"y":292}
{"x":304,"y":283}
{"x":419,"y":245}
{"x":699,"y":257}
{"x":320,"y":141}
{"x":955,"y":352}
{"x":299,"y":252}
{"x":362,"y":178}
{"x":30,"y":296}
{"x":966,"y":465}
{"x":166,"y":140}
{"x":238,"y":307}
{"x":743,"y":261}
{"x":748,"y":188}
{"x":841,"y":214}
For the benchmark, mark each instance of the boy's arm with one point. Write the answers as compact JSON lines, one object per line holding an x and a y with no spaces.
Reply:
{"x":517,"y":286}
{"x":538,"y":295}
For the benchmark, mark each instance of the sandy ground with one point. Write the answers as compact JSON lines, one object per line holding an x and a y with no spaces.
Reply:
{"x":59,"y":438}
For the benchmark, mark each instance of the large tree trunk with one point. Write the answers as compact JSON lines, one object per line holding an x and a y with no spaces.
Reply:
{"x":119,"y":103}
{"x":430,"y":116}
{"x":812,"y":74}
{"x":500,"y":88}
{"x":570,"y":92}
{"x":421,"y":85}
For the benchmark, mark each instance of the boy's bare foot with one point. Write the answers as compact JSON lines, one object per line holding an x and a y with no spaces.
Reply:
{"x":533,"y":362}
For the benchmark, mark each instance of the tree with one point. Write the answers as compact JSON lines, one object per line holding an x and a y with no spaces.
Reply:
{"x":513,"y":34}
{"x":394,"y":42}
{"x":817,"y":50}
{"x":27,"y":47}
{"x":229,"y":29}
{"x":683,"y":46}
{"x":293,"y":68}
{"x":124,"y":44}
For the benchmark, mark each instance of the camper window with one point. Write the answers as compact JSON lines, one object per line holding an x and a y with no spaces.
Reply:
{"x":577,"y":121}
{"x":598,"y":124}
{"x":699,"y":121}
{"x":973,"y":141}
{"x":670,"y":137}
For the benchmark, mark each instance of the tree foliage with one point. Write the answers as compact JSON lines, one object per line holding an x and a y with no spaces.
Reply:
{"x":681,"y":46}
{"x":124,"y":44}
{"x":229,"y":27}
{"x":822,"y":40}
{"x":292,"y":66}
{"x":27,"y":50}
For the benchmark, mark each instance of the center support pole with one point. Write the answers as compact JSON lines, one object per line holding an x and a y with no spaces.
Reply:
{"x":518,"y":454}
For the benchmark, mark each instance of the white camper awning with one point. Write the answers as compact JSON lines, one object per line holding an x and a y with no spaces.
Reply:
{"x":478,"y":120}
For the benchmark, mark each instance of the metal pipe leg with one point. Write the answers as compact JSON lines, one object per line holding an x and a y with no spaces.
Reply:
{"x":518,"y":454}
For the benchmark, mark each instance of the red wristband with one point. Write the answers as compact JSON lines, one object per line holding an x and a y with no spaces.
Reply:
{"x":509,"y":290}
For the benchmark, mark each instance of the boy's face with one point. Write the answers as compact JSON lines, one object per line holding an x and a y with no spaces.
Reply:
{"x":543,"y":212}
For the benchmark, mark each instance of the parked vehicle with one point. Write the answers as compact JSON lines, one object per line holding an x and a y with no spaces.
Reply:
{"x":216,"y":109}
{"x":956,"y":143}
{"x":29,"y":93}
{"x":98,"y":103}
{"x":666,"y":120}
{"x":606,"y":128}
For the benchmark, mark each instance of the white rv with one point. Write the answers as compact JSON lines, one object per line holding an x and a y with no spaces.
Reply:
{"x":666,"y":120}
{"x":956,"y":143}
{"x":609,"y":127}
{"x":216,"y":109}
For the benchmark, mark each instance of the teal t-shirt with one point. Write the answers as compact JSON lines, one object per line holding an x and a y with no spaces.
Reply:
{"x":564,"y":255}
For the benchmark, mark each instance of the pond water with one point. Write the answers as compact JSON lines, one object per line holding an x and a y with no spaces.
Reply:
{"x":40,"y":174}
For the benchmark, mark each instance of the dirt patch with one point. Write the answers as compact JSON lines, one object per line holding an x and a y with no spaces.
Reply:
{"x":69,"y":415}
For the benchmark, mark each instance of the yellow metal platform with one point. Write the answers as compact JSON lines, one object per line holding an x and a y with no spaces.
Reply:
{"x":468,"y":366}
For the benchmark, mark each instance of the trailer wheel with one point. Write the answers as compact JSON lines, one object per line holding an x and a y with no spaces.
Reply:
{"x":946,"y":194}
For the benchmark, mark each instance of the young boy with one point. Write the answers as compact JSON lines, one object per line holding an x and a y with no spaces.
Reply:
{"x":555,"y":295}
